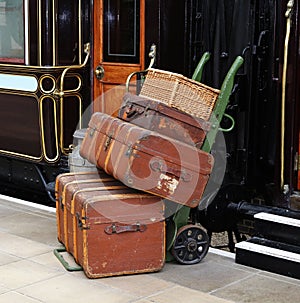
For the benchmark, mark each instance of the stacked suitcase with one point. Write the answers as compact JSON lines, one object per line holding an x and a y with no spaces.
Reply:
{"x":109,"y":229}
{"x":146,"y":160}
{"x":112,"y":221}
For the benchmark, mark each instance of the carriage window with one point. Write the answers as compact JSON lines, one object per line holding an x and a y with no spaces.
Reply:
{"x":121,"y":31}
{"x":11,"y":31}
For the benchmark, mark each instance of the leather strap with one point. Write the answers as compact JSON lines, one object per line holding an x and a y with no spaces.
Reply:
{"x":117,"y":229}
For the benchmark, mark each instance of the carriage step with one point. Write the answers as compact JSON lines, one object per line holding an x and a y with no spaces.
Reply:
{"x":277,"y":228}
{"x":269,"y":255}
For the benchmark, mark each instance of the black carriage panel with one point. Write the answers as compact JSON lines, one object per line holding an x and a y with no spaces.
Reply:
{"x":26,"y":118}
{"x":49,"y":128}
{"x":20,"y":125}
{"x":121,"y":35}
{"x":33,"y":44}
{"x":55,"y":32}
{"x":252,"y":146}
{"x":46,"y":48}
{"x":69,"y":32}
{"x":71,"y":113}
{"x":44,"y":117}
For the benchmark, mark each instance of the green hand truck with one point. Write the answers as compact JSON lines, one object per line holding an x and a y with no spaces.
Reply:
{"x":189,"y":243}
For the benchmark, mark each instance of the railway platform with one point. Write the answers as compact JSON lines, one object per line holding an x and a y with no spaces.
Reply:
{"x":30,"y":273}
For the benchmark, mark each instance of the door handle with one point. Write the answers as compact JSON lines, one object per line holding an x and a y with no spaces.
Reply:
{"x":99,"y":72}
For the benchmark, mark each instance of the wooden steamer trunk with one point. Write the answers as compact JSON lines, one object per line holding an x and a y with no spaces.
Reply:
{"x":148,"y":161}
{"x":69,"y":185}
{"x":119,"y":232}
{"x":166,"y":120}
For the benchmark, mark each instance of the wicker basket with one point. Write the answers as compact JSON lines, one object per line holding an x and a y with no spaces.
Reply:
{"x":180,"y":92}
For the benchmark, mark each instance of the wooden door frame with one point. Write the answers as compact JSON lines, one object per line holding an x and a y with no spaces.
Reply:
{"x":97,"y":43}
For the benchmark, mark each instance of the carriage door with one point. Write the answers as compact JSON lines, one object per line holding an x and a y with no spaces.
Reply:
{"x":118,"y":49}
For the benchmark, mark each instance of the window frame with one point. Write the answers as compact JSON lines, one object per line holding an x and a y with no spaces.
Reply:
{"x":25,"y":58}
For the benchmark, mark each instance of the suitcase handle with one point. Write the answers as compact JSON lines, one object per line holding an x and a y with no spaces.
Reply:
{"x":132,"y":110}
{"x":117,"y":229}
{"x":163,"y":168}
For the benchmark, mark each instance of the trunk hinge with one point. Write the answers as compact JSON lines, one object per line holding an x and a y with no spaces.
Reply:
{"x":81,"y":222}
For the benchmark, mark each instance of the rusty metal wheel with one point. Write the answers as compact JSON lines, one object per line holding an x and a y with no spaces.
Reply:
{"x":191,"y":244}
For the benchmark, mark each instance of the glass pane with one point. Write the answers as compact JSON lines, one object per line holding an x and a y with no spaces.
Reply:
{"x":121,"y":31}
{"x":11,"y":31}
{"x":67,"y":32}
{"x":18,"y":82}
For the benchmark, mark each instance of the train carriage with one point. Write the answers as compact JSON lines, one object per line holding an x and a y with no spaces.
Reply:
{"x":62,"y":59}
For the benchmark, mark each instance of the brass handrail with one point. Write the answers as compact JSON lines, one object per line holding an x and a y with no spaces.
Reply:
{"x":152,"y":55}
{"x":288,"y":14}
{"x":60,"y":92}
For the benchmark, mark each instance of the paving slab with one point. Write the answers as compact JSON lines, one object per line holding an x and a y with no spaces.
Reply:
{"x":205,"y":276}
{"x":184,"y":294}
{"x":6,"y":258}
{"x":15,"y":297}
{"x":48,"y":259}
{"x":21,"y":247}
{"x":260,"y":288}
{"x":141,"y":285}
{"x":31,"y":226}
{"x":75,"y":289}
{"x":24,"y":272}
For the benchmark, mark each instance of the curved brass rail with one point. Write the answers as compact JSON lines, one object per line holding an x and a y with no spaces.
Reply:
{"x":152,"y":55}
{"x":60,"y":92}
{"x":288,"y":14}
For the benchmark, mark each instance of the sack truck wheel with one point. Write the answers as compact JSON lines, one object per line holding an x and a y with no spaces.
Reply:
{"x":191,"y":244}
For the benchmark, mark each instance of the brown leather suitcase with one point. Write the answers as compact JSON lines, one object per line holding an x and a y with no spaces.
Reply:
{"x":148,"y":161}
{"x":118,"y":231}
{"x":166,"y":120}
